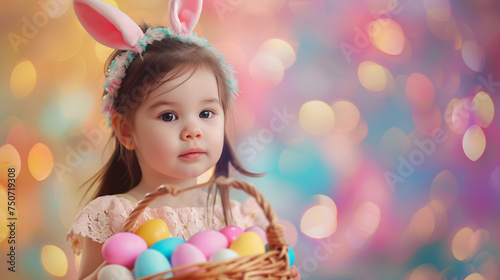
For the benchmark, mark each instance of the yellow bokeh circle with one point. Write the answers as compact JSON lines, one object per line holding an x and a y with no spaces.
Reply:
{"x":54,"y":260}
{"x":23,"y":79}
{"x":316,"y":117}
{"x":474,"y":142}
{"x":374,"y":77}
{"x":40,"y":161}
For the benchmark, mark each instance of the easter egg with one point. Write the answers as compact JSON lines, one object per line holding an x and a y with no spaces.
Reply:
{"x":247,"y":244}
{"x":167,"y":246}
{"x":223,"y":255}
{"x":291,"y":255}
{"x":114,"y":272}
{"x":208,"y":241}
{"x":123,"y":248}
{"x":151,"y":262}
{"x":231,"y":233}
{"x":153,"y":231}
{"x":258,"y":230}
{"x":186,"y":254}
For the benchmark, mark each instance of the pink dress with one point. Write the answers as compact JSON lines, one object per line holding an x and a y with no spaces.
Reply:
{"x":106,"y":215}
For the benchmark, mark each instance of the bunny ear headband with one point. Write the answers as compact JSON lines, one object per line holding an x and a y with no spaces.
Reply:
{"x":113,"y":28}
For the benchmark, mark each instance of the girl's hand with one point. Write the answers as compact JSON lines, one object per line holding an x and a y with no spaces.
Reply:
{"x":295,"y":273}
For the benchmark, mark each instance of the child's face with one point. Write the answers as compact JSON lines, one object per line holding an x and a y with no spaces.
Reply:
{"x":179,"y":133}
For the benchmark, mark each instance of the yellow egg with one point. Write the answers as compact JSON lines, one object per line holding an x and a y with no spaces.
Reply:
{"x":153,"y":231}
{"x":247,"y":244}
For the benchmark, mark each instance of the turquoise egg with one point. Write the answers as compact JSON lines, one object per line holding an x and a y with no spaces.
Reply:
{"x":291,"y":255}
{"x":151,"y":262}
{"x":167,"y":246}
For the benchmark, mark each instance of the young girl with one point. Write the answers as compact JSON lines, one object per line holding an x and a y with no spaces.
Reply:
{"x":167,"y":96}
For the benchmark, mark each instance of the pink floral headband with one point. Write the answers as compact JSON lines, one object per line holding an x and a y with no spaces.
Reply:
{"x":111,"y":27}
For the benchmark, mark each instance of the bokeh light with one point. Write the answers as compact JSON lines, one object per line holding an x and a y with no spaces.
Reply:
{"x":474,"y":276}
{"x":425,"y":271}
{"x":474,"y":142}
{"x":439,"y":19}
{"x":484,"y":108}
{"x":54,"y":260}
{"x":428,"y":121}
{"x":387,"y":36}
{"x":364,"y":224}
{"x":23,"y":79}
{"x":76,"y":106}
{"x":10,"y":159}
{"x":346,"y":116}
{"x":457,"y":115}
{"x":373,"y":76}
{"x":359,"y":133}
{"x":419,"y":91}
{"x":423,"y":223}
{"x":266,"y":69}
{"x":320,"y":220}
{"x":290,"y":232}
{"x":40,"y":161}
{"x":279,"y":49}
{"x":3,"y":212}
{"x":316,"y":117}
{"x":445,"y":189}
{"x":460,"y":245}
{"x":392,"y":141}
{"x":473,"y":55}
{"x":438,"y":9}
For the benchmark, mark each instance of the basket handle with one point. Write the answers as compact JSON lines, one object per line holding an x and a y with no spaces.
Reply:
{"x":274,"y":231}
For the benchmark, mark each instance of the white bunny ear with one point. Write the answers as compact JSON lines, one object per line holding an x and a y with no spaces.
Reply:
{"x":183,"y":15}
{"x":108,"y":25}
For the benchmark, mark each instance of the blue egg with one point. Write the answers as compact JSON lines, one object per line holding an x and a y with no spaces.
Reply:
{"x":167,"y":246}
{"x":267,"y":247}
{"x":151,"y":262}
{"x":291,"y":255}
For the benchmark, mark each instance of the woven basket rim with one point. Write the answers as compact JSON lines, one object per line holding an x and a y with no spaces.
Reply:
{"x":273,"y":264}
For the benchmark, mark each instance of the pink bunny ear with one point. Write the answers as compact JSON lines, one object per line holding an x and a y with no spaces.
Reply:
{"x":183,"y":15}
{"x":108,"y":25}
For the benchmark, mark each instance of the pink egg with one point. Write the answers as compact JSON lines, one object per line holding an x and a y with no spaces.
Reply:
{"x":231,"y":233}
{"x":209,"y":242}
{"x":186,"y":254}
{"x":259,"y":231}
{"x":123,"y":248}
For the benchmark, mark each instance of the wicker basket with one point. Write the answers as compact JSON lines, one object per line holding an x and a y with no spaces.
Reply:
{"x":274,"y":264}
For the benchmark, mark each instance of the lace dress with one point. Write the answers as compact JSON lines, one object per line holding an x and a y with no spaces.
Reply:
{"x":106,"y":215}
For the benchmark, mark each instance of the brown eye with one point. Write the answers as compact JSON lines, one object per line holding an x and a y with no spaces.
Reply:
{"x":168,"y":117}
{"x":206,"y":114}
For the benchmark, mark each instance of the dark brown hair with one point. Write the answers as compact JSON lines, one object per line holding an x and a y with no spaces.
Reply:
{"x":168,"y":58}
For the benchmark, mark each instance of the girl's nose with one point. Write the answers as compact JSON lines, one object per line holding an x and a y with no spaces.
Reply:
{"x":191,"y":132}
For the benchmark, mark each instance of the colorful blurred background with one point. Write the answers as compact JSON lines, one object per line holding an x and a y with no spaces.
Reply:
{"x":374,"y":120}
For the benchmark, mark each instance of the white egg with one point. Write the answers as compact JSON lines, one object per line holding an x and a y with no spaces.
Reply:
{"x":115,"y":272}
{"x":223,"y":255}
